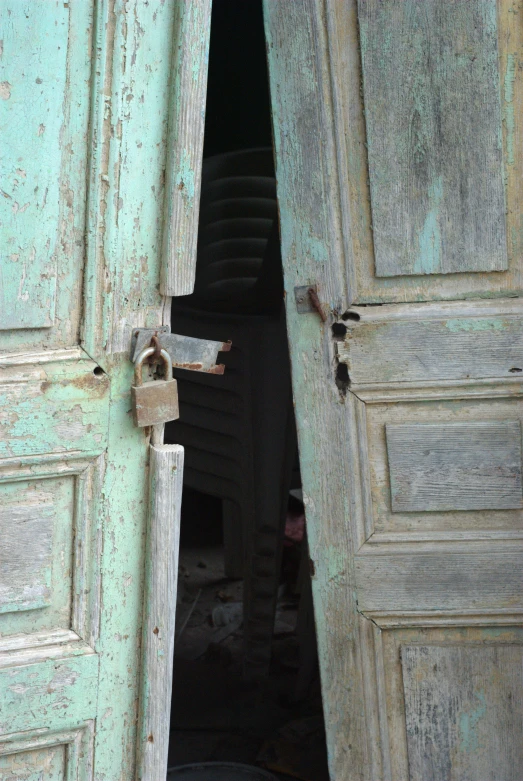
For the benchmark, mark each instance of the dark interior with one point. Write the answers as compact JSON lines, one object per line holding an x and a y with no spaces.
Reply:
{"x":246,"y":681}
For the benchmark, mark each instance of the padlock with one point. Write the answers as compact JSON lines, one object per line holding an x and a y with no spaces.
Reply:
{"x":155,"y":401}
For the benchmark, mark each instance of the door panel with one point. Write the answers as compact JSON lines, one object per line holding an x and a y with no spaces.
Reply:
{"x":440,"y":693}
{"x":86,"y":93}
{"x":422,"y":140}
{"x":409,"y":410}
{"x":430,"y":73}
{"x":44,"y":115}
{"x":61,"y":756}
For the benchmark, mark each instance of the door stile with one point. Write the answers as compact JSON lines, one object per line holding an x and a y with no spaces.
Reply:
{"x":313,"y":254}
{"x":135,"y":46}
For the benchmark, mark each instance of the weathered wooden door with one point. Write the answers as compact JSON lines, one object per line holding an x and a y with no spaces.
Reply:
{"x":399,"y":146}
{"x":101,"y":125}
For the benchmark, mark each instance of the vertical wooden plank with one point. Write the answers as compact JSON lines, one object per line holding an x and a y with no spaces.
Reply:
{"x":312,"y":252}
{"x":185,"y":145}
{"x":131,"y":73}
{"x":464,"y":712}
{"x":161,"y":572}
{"x":431,"y":78}
{"x":129,"y":128}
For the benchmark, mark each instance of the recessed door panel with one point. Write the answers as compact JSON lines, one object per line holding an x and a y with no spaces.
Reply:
{"x":464,"y":711}
{"x":44,"y":112}
{"x":34,"y":765}
{"x":431,"y":215}
{"x":454,"y":466}
{"x":31,"y":513}
{"x":431,"y":76}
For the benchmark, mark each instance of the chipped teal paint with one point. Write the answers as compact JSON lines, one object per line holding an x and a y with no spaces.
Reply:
{"x":315,"y":248}
{"x":468,"y":723}
{"x":65,"y":690}
{"x":75,"y":403}
{"x":32,"y":101}
{"x":457,"y":325}
{"x":508,"y":109}
{"x":430,"y":246}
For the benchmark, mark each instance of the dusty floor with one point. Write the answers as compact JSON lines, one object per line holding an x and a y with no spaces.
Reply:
{"x":216,"y":716}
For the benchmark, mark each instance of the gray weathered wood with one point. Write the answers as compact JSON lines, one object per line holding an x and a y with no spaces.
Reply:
{"x":464,"y":711}
{"x":461,"y":347}
{"x":185,"y":146}
{"x":313,"y":253}
{"x":455,"y":466}
{"x":355,"y":197}
{"x":424,"y":576}
{"x":165,"y":500}
{"x":430,"y":77}
{"x":26,"y":532}
{"x":458,"y":576}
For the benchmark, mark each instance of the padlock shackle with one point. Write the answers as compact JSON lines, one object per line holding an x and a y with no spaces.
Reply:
{"x":146,"y":353}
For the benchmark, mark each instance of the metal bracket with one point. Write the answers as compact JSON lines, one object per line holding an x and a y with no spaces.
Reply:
{"x":303,"y":299}
{"x":306,"y":298}
{"x":187,"y":352}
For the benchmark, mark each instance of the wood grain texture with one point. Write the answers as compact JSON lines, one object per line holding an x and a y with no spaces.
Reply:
{"x":26,"y":532}
{"x":449,"y":576}
{"x":464,"y":711}
{"x":312,"y":252}
{"x":393,"y":643}
{"x":418,"y":410}
{"x":51,"y":560}
{"x":430,"y":75}
{"x":355,"y":203}
{"x":460,"y":347}
{"x":165,"y":501}
{"x":455,"y":466}
{"x":192,"y":28}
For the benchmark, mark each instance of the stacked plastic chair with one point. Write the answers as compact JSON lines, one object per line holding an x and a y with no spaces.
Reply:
{"x":238,"y":428}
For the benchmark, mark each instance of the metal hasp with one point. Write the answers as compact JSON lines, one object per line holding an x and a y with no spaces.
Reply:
{"x":186,"y":352}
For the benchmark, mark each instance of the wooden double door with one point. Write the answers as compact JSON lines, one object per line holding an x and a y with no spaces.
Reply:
{"x":399,"y":149}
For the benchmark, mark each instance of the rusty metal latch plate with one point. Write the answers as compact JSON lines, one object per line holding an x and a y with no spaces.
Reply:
{"x":187,"y":352}
{"x":306,"y":298}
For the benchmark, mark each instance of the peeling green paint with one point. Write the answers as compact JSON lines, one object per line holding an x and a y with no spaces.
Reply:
{"x":468,"y":723}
